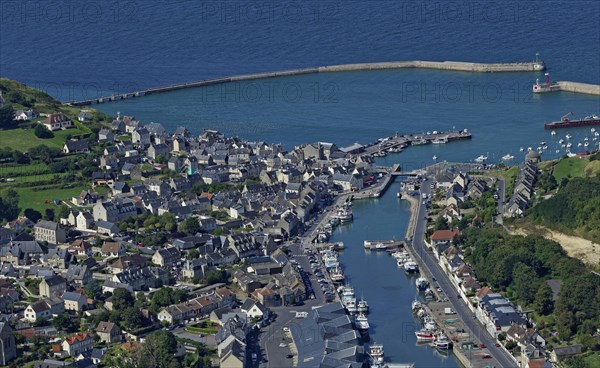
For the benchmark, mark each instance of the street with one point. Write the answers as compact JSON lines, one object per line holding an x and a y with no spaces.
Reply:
{"x":427,"y":258}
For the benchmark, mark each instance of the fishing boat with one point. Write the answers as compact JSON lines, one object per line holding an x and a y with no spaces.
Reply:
{"x":362,"y":306}
{"x":546,"y":86}
{"x":376,"y":354}
{"x":362,"y":323}
{"x":337,"y":275}
{"x":424,"y":335}
{"x":350,"y":306}
{"x":442,"y":342}
{"x":344,"y":215}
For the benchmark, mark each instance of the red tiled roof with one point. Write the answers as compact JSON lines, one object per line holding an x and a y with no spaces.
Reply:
{"x":444,"y":234}
{"x":78,"y":337}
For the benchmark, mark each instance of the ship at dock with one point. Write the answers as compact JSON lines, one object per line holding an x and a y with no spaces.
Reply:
{"x":565,"y":122}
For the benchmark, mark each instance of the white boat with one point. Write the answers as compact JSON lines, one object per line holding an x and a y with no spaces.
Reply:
{"x":344,"y":215}
{"x":376,"y":354}
{"x":441,"y":140}
{"x":561,"y":141}
{"x":481,"y":158}
{"x":586,"y":144}
{"x":521,"y":149}
{"x":568,"y":136}
{"x":553,"y":133}
{"x":416,"y":305}
{"x":593,"y":130}
{"x":419,"y":142}
{"x":434,"y":157}
{"x":350,"y":306}
{"x":508,"y":157}
{"x":362,"y":306}
{"x":362,"y":323}
{"x":411,"y":266}
{"x":421,"y":283}
{"x":569,"y":145}
{"x":442,"y":342}
{"x":337,"y":275}
{"x":579,"y":144}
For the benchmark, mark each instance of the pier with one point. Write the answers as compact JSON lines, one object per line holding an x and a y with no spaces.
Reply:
{"x":577,"y":87}
{"x":415,"y":64}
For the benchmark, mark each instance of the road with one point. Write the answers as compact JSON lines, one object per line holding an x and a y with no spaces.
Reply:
{"x":427,"y":258}
{"x":501,"y":198}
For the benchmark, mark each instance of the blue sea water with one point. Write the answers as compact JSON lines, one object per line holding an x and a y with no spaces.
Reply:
{"x":92,"y":48}
{"x":87,"y":48}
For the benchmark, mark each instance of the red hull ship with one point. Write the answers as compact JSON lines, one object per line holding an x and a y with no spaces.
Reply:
{"x":568,"y":123}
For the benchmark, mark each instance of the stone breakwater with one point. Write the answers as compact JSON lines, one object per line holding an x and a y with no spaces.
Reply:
{"x":417,"y":64}
{"x":576,"y":87}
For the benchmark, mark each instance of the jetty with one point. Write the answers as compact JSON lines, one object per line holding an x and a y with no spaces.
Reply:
{"x":460,"y":66}
{"x":577,"y":87}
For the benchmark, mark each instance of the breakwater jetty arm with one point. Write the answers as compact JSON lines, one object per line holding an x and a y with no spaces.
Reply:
{"x":437,"y":65}
{"x":577,"y":87}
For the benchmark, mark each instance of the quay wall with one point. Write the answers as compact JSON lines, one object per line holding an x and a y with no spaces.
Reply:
{"x":577,"y":87}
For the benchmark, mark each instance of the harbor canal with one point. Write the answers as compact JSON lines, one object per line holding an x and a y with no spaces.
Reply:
{"x":376,"y":277}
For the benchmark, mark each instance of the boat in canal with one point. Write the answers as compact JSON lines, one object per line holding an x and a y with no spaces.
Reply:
{"x":421,"y":283}
{"x":411,"y":267}
{"x":362,"y":322}
{"x":362,"y":306}
{"x":442,"y":342}
{"x":376,"y":354}
{"x":424,"y":335}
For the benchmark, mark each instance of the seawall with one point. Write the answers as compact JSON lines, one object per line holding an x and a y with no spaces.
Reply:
{"x":437,"y":65}
{"x":576,"y":87}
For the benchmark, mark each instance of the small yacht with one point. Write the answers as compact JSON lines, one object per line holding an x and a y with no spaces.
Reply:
{"x":362,"y":323}
{"x":586,"y":144}
{"x":521,"y":149}
{"x":362,"y":306}
{"x":579,"y":144}
{"x":481,"y":158}
{"x":434,"y":157}
{"x":561,"y":141}
{"x":421,"y":283}
{"x":568,"y":136}
{"x":416,"y":305}
{"x":411,"y":266}
{"x":593,"y":130}
{"x":553,"y":133}
{"x":376,"y":353}
{"x":569,"y":145}
{"x":508,"y":157}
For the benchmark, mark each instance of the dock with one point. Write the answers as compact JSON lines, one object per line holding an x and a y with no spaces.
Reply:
{"x":532,"y":66}
{"x":577,"y":87}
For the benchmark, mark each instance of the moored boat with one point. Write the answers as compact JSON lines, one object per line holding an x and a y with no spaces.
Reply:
{"x":376,"y":353}
{"x":362,"y":306}
{"x":565,"y":122}
{"x":362,"y":323}
{"x":424,"y":335}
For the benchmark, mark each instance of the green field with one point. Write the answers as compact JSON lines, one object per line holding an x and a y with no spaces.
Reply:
{"x":569,"y":167}
{"x":593,"y":360}
{"x":24,"y":139}
{"x":40,"y":200}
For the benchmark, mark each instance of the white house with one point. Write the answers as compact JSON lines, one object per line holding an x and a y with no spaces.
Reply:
{"x":74,"y":301}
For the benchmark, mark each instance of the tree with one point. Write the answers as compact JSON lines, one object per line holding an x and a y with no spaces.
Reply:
{"x":190,"y":226}
{"x":122,"y":299}
{"x":132,"y":318}
{"x":63,"y":211}
{"x":32,"y":214}
{"x":525,"y":282}
{"x":64,"y":322}
{"x":7,"y":117}
{"x":544,"y":303}
{"x":93,"y":289}
{"x":9,"y":205}
{"x":49,"y":214}
{"x":157,"y":351}
{"x":441,"y":223}
{"x":193,"y":254}
{"x":214,"y":276}
{"x":42,"y":132}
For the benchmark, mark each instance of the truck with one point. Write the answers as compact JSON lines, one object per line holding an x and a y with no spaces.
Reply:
{"x":449,"y":311}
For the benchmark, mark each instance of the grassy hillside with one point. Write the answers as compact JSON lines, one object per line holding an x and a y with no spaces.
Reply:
{"x":21,"y":137}
{"x":574,"y":209}
{"x":22,"y":97}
